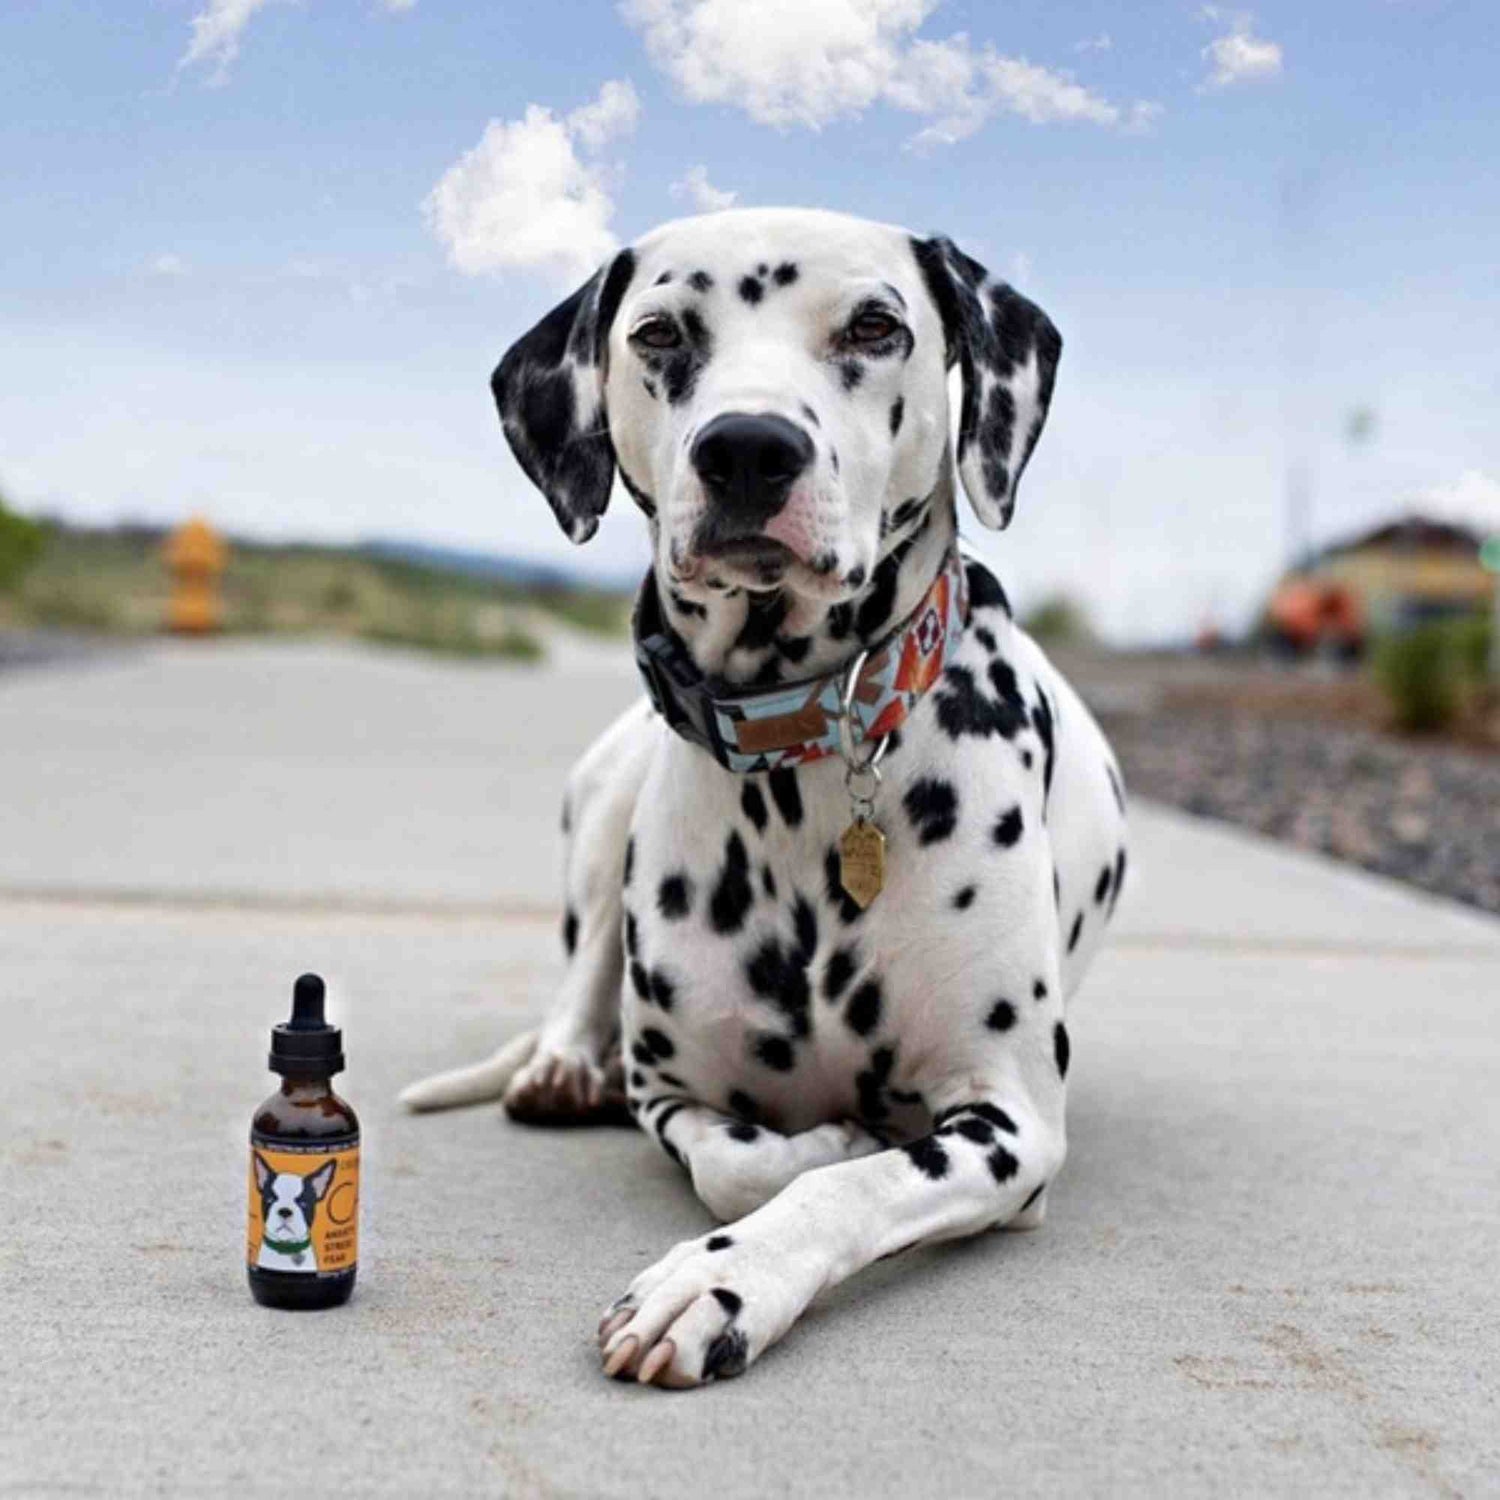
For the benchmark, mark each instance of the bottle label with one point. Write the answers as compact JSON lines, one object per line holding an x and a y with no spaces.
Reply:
{"x":304,"y":1205}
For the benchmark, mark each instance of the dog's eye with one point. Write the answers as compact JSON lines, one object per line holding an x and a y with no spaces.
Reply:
{"x":871,"y":326}
{"x":658,"y":332}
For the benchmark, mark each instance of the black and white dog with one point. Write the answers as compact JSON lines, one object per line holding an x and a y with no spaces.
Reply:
{"x":850,"y":1054}
{"x":288,"y":1205}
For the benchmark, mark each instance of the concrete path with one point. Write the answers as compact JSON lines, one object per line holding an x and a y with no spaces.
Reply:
{"x":1271,"y":1266}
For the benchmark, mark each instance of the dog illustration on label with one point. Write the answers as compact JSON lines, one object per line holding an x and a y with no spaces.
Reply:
{"x":288,"y":1205}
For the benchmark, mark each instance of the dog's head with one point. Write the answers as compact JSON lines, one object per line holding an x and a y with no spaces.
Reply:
{"x":288,"y":1202}
{"x":771,"y":386}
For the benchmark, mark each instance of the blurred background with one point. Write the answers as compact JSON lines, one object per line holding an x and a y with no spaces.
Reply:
{"x":260,"y":257}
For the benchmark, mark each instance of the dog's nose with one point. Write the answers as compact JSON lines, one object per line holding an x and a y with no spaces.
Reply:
{"x":283,"y":1213}
{"x":748,"y":462}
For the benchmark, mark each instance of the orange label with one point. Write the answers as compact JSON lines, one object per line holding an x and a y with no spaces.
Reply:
{"x":304,"y":1206}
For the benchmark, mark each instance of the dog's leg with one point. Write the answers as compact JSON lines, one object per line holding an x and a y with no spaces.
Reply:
{"x":714,"y":1304}
{"x":736,"y":1166}
{"x":562,"y":1070}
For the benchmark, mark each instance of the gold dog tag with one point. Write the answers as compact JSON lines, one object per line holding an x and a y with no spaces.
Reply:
{"x":862,"y":861}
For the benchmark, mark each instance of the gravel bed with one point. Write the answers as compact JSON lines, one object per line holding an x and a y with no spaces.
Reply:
{"x":1423,"y":813}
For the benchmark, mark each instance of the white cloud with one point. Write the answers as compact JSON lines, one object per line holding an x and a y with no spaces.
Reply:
{"x":809,"y":62}
{"x":524,"y":196}
{"x":219,"y":26}
{"x":167,"y":265}
{"x":700,"y":192}
{"x":217,"y":30}
{"x":1238,"y":56}
{"x":1473,"y":499}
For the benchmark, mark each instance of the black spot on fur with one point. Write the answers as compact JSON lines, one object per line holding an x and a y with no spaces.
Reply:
{"x":751,"y":290}
{"x":984,"y":1110}
{"x":775,"y":1052}
{"x":851,"y":372}
{"x":932,"y":806}
{"x":1042,"y":716}
{"x":898,"y":410}
{"x":1062,"y":1049}
{"x":870,"y":1084}
{"x":1039,"y":990}
{"x":743,"y":1131}
{"x":659,"y":1043}
{"x":1119,"y":878}
{"x":986,"y":638}
{"x":731,"y":1302}
{"x":780,"y":977}
{"x":1102,"y":885}
{"x":839,"y":972}
{"x":768,"y":882}
{"x":763,"y":619}
{"x":1076,"y":933}
{"x":640,"y":980}
{"x":981,"y":1132}
{"x":874,"y":615}
{"x":963,"y":710}
{"x":928,"y":1156}
{"x":718,"y":1242}
{"x":965,"y":898}
{"x":1002,"y":1016}
{"x":670,"y":1079}
{"x":733,"y":894}
{"x":1115,"y":787}
{"x":1003,"y":1166}
{"x":784,"y":274}
{"x":629,"y":859}
{"x":786,"y":796}
{"x":865,"y":1005}
{"x":632,"y":935}
{"x":810,"y":414}
{"x":984,"y":588}
{"x":805,"y":925}
{"x":753,"y":805}
{"x":727,"y":1355}
{"x":741,"y":1104}
{"x":674,"y":898}
{"x":848,"y":908}
{"x":794,"y":648}
{"x":701,"y":281}
{"x":642,"y":1054}
{"x":570,"y":932}
{"x":663,"y":991}
{"x":1008,"y":828}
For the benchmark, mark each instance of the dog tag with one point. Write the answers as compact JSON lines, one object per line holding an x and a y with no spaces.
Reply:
{"x":862,"y":861}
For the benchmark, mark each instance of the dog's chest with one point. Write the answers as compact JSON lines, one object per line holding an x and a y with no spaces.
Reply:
{"x":756,"y":985}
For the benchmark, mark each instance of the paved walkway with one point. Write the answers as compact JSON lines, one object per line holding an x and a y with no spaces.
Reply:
{"x":1271,"y":1266}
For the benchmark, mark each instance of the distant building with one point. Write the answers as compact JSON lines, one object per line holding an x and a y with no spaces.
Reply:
{"x":1401,"y":574}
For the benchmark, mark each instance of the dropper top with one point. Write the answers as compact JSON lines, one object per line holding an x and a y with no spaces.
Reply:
{"x":306,"y":1045}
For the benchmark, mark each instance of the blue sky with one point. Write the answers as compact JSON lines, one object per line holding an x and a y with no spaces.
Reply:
{"x":220,"y":288}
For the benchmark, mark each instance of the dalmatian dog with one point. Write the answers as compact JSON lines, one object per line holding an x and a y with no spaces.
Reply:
{"x":841,"y":1075}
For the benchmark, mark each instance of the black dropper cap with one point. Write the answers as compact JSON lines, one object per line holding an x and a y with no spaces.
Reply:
{"x":307,"y":1044}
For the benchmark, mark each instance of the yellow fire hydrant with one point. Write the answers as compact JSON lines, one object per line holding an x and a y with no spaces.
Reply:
{"x":196,"y":556}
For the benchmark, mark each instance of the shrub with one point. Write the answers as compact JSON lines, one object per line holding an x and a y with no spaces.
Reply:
{"x":20,"y":546}
{"x":1058,"y":621}
{"x":1418,"y":670}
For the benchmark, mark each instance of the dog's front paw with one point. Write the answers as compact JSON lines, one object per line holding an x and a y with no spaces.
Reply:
{"x":564,"y":1085}
{"x":703,"y":1312}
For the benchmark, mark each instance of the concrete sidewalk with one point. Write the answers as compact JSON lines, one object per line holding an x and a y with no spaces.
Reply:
{"x":1271,"y":1266}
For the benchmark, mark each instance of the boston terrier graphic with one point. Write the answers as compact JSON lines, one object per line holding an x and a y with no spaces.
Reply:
{"x":288,"y":1204}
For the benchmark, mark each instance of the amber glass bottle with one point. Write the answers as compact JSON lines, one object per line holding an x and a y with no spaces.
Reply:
{"x":302,"y":1236}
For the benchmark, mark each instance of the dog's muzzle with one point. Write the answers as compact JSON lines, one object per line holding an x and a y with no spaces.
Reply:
{"x":748,"y":463}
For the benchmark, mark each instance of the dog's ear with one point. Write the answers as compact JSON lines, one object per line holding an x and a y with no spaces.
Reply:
{"x":550,"y":391}
{"x":264,"y":1172}
{"x":1009,"y":350}
{"x":318,"y":1181}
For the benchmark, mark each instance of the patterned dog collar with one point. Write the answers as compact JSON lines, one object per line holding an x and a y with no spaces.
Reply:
{"x":792,"y":724}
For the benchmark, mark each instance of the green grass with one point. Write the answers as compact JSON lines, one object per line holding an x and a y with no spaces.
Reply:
{"x":114,"y":583}
{"x":1431,"y":674}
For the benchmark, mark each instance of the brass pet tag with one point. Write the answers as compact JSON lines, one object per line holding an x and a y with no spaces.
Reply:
{"x":862,"y":861}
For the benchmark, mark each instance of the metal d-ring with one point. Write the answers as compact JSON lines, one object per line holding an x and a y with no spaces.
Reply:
{"x":861,"y":773}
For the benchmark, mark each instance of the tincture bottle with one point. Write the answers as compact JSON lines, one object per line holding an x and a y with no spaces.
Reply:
{"x":303,"y":1231}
